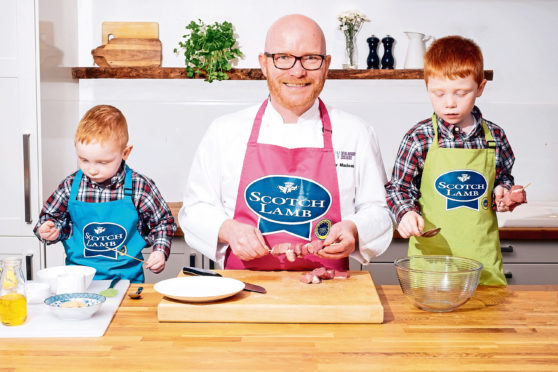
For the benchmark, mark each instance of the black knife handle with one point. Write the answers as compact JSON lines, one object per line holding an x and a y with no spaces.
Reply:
{"x":199,"y":271}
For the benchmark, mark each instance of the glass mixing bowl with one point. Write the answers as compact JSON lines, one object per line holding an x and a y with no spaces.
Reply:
{"x":438,"y":283}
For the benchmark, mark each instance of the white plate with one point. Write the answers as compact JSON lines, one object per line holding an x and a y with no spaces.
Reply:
{"x":199,"y":288}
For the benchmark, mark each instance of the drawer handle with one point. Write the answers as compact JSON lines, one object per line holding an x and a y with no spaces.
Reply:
{"x":26,"y":179}
{"x":192,"y":260}
{"x":508,"y":249}
{"x":29,"y":266}
{"x":508,"y":275}
{"x":211,"y":265}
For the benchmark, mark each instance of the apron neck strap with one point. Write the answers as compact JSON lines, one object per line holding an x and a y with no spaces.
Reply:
{"x":128,"y":182}
{"x":324,"y":115}
{"x":75,"y":185}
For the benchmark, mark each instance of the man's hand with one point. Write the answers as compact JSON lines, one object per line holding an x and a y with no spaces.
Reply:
{"x":156,"y":262}
{"x":412,"y":224}
{"x":246,"y":241}
{"x":47,"y":231}
{"x":341,"y":240}
{"x":500,"y":193}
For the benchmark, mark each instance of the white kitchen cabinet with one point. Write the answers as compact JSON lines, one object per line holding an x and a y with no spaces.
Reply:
{"x":19,"y":141}
{"x":177,"y":260}
{"x":525,"y":262}
{"x":530,"y":261}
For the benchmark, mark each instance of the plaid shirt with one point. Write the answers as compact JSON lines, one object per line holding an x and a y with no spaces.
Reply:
{"x":403,"y":191}
{"x":155,"y":221}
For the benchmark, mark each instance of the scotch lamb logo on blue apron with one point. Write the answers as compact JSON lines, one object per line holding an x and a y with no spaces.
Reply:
{"x":287,"y":204}
{"x":103,"y":239}
{"x":461,"y":188}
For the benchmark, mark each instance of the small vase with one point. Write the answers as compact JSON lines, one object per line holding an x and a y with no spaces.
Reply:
{"x":387,"y":59}
{"x":373,"y":61}
{"x":351,"y":53}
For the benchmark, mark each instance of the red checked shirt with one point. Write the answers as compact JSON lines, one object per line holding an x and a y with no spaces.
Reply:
{"x":155,"y":221}
{"x":403,"y":189}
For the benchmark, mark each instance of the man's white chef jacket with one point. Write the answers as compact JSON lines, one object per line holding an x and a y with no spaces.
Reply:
{"x":212,"y":186}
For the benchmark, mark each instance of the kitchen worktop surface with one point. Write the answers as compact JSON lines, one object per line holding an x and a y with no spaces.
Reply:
{"x":512,"y":329}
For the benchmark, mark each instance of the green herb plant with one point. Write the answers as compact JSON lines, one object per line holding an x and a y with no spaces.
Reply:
{"x":209,"y":49}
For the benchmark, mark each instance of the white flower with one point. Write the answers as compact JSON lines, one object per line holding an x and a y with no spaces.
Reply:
{"x":351,"y":20}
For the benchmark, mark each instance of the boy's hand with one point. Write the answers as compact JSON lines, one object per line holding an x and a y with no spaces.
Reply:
{"x":500,"y":193}
{"x":156,"y":262}
{"x":47,"y":231}
{"x":412,"y":224}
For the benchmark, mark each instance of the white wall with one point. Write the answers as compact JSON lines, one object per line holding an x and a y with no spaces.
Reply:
{"x":168,"y":117}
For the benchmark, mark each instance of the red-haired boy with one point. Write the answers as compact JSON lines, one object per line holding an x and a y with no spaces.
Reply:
{"x":453,"y":170}
{"x":106,"y":208}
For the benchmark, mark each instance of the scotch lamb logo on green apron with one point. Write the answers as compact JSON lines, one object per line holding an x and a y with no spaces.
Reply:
{"x":287,"y":204}
{"x":461,"y":188}
{"x":103,"y":239}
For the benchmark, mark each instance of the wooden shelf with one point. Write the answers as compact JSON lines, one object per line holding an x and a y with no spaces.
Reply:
{"x":237,"y":74}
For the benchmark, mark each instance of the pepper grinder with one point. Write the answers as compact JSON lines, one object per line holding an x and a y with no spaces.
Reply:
{"x":387,"y":59}
{"x":373,"y":61}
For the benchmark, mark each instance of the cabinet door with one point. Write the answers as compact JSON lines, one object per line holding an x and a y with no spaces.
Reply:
{"x":531,"y":273}
{"x":19,"y":191}
{"x":29,"y":248}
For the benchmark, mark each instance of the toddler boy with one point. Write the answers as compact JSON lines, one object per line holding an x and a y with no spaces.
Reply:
{"x":105,"y":208}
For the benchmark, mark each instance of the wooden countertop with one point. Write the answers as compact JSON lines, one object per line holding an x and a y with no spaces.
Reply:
{"x":509,"y":233}
{"x":511,"y":329}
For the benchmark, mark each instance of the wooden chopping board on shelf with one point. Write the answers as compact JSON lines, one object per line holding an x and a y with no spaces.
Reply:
{"x":129,"y":44}
{"x":129,"y":30}
{"x":351,"y":300}
{"x":128,"y":53}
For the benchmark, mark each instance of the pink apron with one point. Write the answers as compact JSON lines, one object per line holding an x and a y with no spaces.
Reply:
{"x":291,"y":195}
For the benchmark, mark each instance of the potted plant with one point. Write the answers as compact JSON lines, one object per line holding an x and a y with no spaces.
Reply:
{"x":209,"y":49}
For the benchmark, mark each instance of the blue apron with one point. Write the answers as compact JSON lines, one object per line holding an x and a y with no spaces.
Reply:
{"x":100,"y":226}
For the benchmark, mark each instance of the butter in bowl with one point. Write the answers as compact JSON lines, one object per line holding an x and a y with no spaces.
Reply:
{"x":75,"y":306}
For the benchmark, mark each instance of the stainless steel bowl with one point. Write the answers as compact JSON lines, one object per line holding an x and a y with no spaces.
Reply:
{"x":438,"y":283}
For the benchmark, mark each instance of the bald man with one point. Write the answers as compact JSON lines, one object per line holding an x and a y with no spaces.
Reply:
{"x":291,"y":175}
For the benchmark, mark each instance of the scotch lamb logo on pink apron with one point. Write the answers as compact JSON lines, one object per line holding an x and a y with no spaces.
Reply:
{"x":287,"y":204}
{"x":103,"y":239}
{"x":462,"y":188}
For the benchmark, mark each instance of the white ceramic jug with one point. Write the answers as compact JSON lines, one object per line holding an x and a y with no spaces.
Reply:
{"x":416,"y":49}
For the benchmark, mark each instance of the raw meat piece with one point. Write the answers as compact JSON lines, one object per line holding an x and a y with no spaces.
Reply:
{"x":292,"y":251}
{"x":322,"y":273}
{"x":306,"y":278}
{"x":341,"y":275}
{"x":291,"y":256}
{"x":515,"y":198}
{"x":319,"y":272}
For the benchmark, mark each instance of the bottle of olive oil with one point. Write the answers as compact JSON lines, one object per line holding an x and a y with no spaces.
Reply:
{"x":13,"y":301}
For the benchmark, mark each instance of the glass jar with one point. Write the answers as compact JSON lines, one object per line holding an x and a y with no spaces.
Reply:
{"x":13,"y":300}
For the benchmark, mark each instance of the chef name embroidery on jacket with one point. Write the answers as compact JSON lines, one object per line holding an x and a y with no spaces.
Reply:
{"x":345,"y":159}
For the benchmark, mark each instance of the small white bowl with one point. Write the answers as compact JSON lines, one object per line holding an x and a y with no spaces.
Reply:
{"x":50,"y":275}
{"x":37,"y":292}
{"x":89,"y":304}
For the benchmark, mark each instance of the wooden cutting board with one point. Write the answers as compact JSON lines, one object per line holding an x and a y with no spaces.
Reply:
{"x":352,"y":300}
{"x":128,"y":52}
{"x":129,"y":30}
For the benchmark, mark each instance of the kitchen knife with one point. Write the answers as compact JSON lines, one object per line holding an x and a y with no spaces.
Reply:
{"x":204,"y":272}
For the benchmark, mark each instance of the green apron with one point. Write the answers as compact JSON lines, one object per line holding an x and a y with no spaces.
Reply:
{"x":456,"y":195}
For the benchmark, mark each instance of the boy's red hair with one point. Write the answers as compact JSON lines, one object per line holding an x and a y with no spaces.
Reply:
{"x":102,"y":123}
{"x":453,"y":57}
